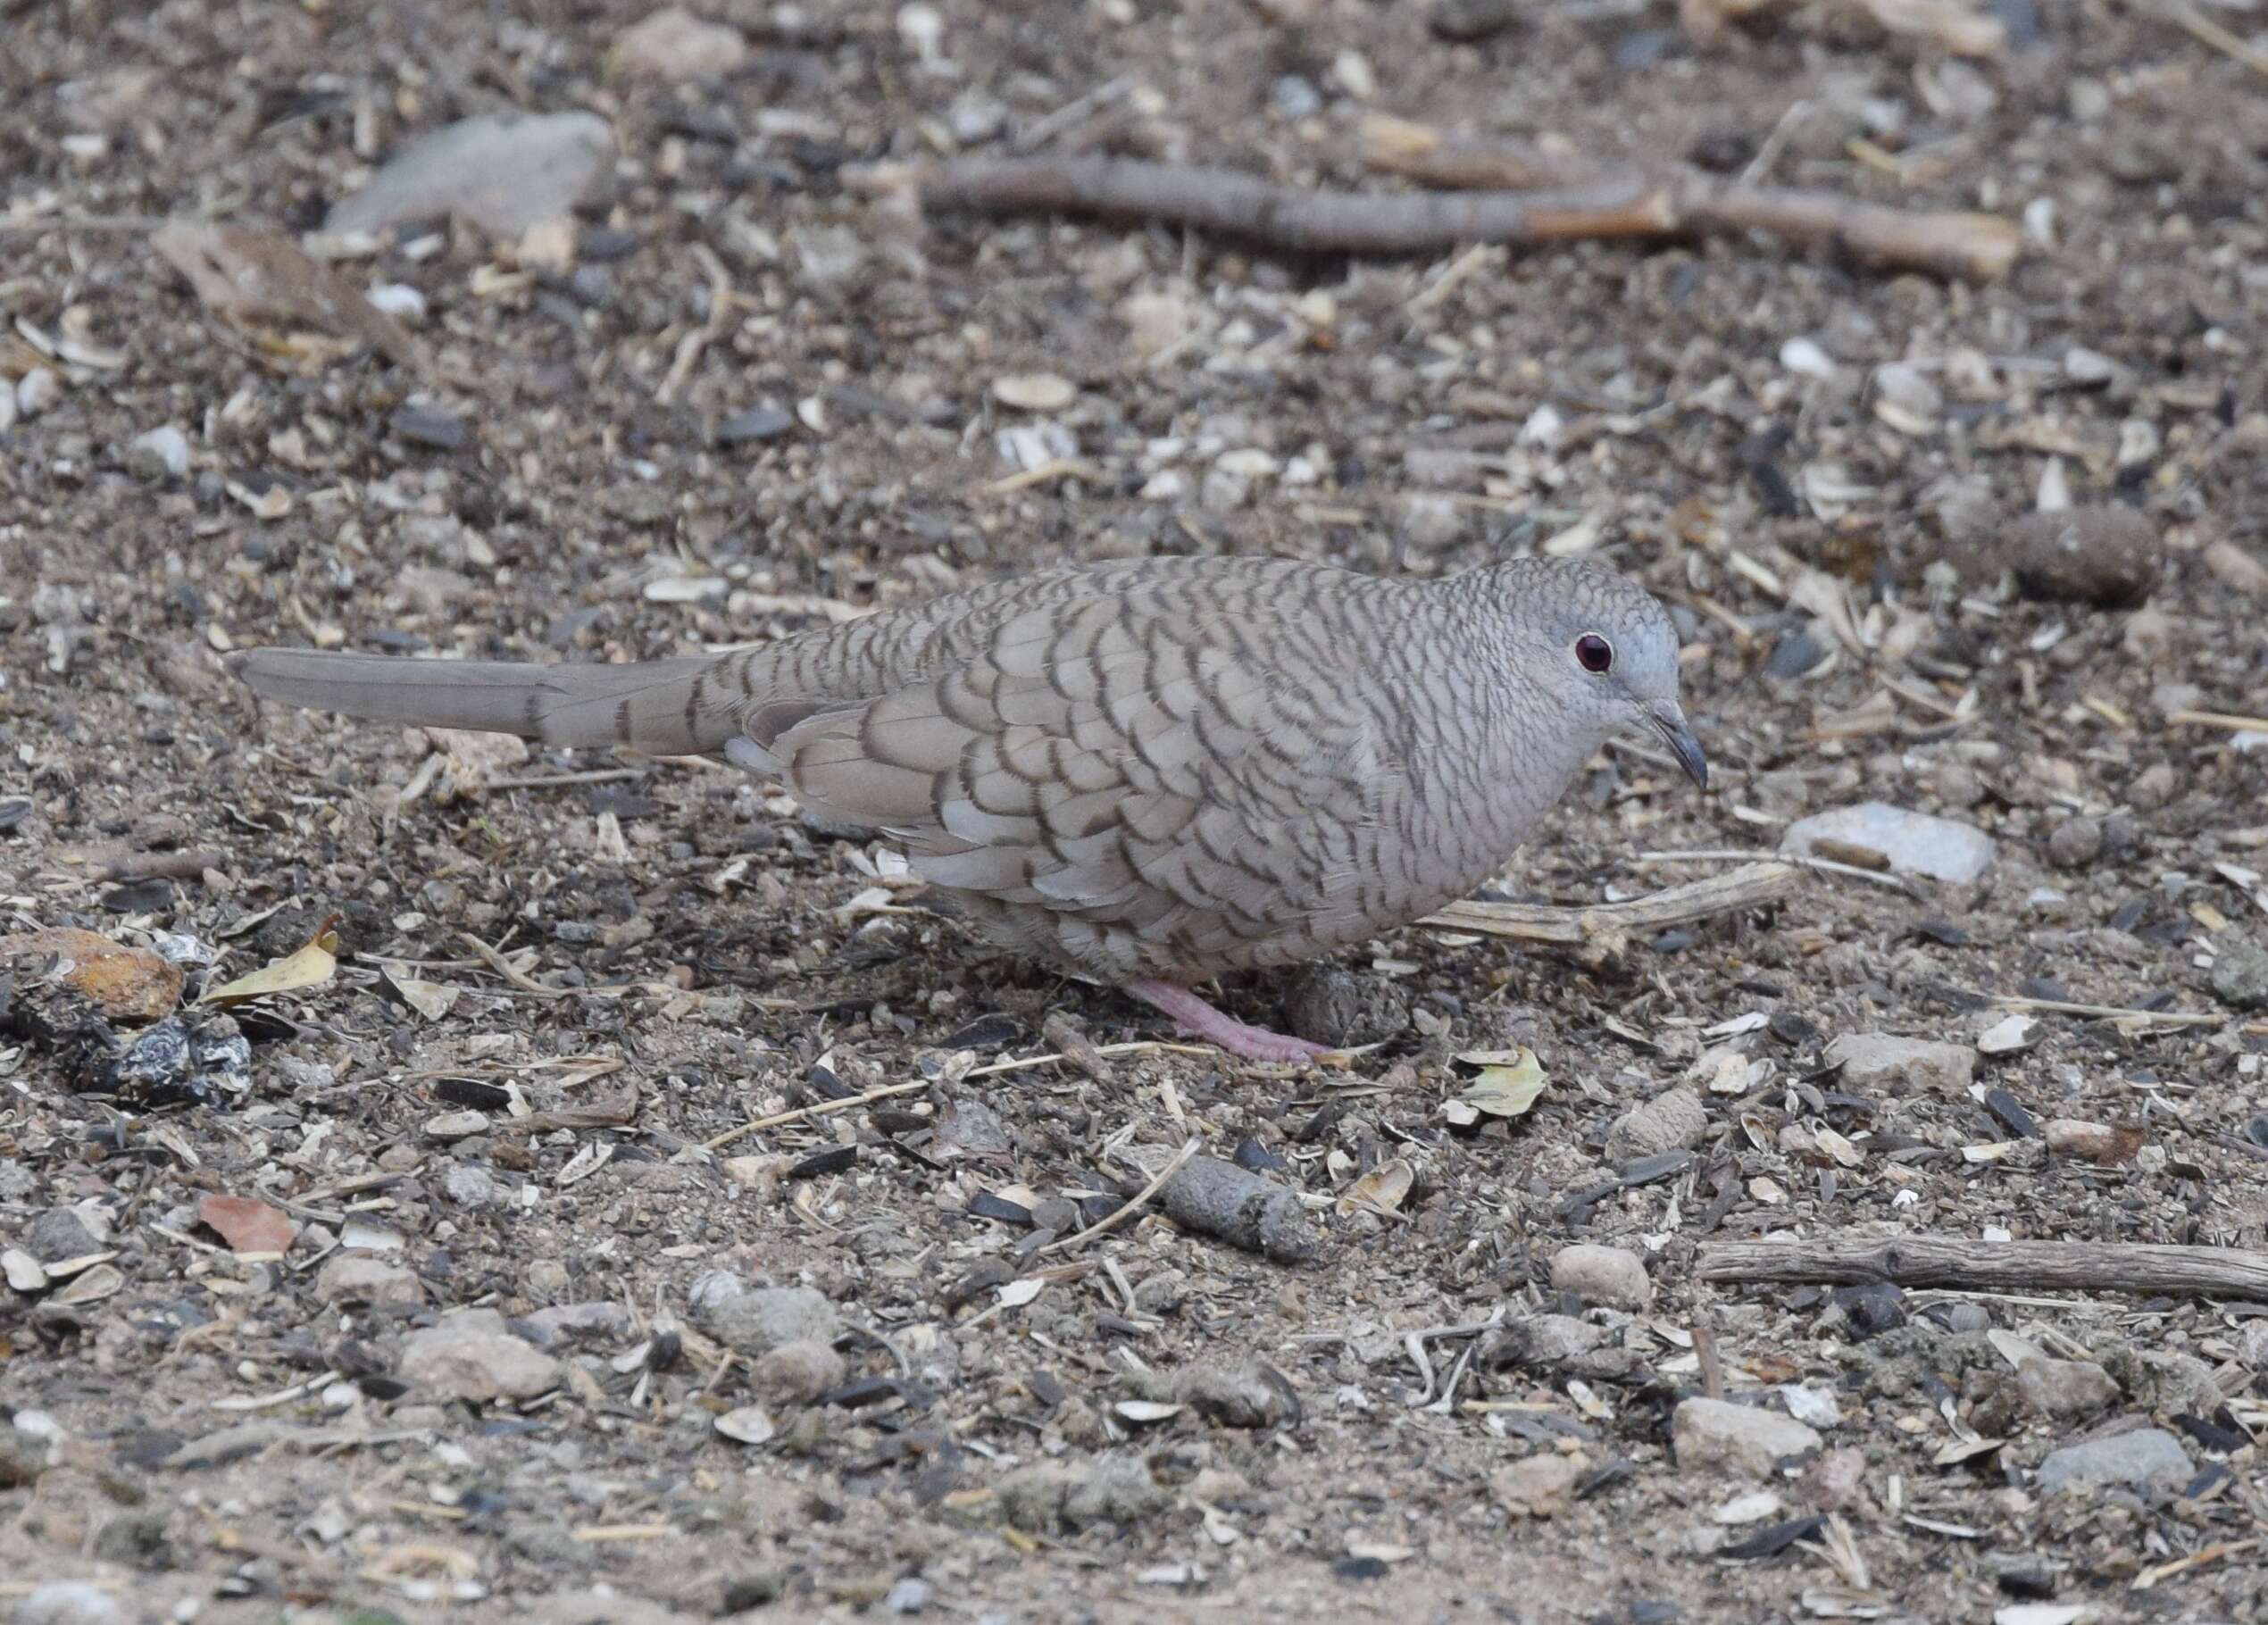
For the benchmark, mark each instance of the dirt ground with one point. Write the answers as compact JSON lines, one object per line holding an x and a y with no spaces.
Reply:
{"x":611,"y":459}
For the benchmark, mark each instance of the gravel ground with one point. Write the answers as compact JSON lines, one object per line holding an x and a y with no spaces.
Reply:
{"x":438,"y":1274}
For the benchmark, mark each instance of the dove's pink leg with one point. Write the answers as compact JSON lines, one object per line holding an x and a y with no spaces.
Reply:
{"x":1198,"y":1020}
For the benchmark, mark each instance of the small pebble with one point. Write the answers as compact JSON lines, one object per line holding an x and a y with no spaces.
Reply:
{"x":471,"y":1356}
{"x":37,"y":390}
{"x":1881,"y":1063}
{"x":1718,"y":1434}
{"x":159,"y":453}
{"x":2076,"y":843}
{"x":1609,"y":1276}
{"x":428,"y":425}
{"x":2147,"y":1458}
{"x":1675,"y":1120}
{"x":69,"y":1601}
{"x":1296,"y":98}
{"x":2106,"y":556}
{"x":2240,"y":975}
{"x":796,"y":1373}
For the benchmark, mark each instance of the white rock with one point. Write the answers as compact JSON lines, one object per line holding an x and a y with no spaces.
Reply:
{"x":1610,"y":1276}
{"x":1910,"y":843}
{"x":1813,"y":1407}
{"x":1717,"y":1434}
{"x":358,"y":1278}
{"x":1804,"y":355}
{"x":159,"y":453}
{"x":471,"y":1356}
{"x":674,"y":45}
{"x":2009,"y":1035}
{"x":37,"y":390}
{"x":69,"y":1601}
{"x":502,"y":171}
{"x":1035,"y":391}
{"x":1353,"y":70}
{"x":398,"y":300}
{"x":1883,"y":1064}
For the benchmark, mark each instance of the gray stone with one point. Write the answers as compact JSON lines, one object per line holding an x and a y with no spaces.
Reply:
{"x":753,"y":425}
{"x":796,"y":1373}
{"x":572,"y":1321}
{"x":69,"y":1601}
{"x":2076,"y":843}
{"x":1073,"y":1495}
{"x":673,"y":45}
{"x":1294,"y":97}
{"x":1717,"y":1434}
{"x":2240,"y":975}
{"x":1909,"y":843}
{"x":1612,"y":1275}
{"x":1887,"y":1064}
{"x":757,"y":1319}
{"x":1675,"y":1120}
{"x":470,"y":1186}
{"x":471,"y":1356}
{"x":2106,"y":556}
{"x":58,"y":1234}
{"x":504,"y":172}
{"x":359,"y":1278}
{"x":2065,"y":1388}
{"x":2147,"y":1458}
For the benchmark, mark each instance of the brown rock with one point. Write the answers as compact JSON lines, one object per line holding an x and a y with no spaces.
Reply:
{"x":2107,"y":1143}
{"x":358,"y":1278}
{"x":796,"y":1373}
{"x":2236,"y":569}
{"x":125,"y":984}
{"x":2106,"y":556}
{"x":470,"y":1356}
{"x":1538,"y":1487}
{"x":247,"y":1223}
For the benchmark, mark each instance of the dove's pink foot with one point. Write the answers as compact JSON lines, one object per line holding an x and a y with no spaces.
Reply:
{"x":1198,"y":1020}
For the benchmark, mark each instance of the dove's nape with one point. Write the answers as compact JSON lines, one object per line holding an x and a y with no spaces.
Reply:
{"x":1149,"y":773}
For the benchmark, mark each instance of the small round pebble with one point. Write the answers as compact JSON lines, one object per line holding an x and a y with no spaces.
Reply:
{"x":2240,"y":975}
{"x":159,"y":453}
{"x":1613,"y":1277}
{"x":2076,"y":843}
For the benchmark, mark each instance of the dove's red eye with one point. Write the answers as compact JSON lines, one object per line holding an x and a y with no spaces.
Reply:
{"x":1594,"y":654}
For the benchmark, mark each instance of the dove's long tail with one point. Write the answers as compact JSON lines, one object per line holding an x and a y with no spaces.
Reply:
{"x":662,"y":707}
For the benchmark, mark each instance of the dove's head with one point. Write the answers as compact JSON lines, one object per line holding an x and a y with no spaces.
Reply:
{"x":1602,"y":650}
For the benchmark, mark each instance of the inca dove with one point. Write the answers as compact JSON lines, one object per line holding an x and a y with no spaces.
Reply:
{"x":1149,"y":772}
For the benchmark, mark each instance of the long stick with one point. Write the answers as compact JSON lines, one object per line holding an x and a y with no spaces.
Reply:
{"x":1297,"y":219}
{"x":2019,"y":1266}
{"x":1677,"y":199}
{"x":1744,"y":887}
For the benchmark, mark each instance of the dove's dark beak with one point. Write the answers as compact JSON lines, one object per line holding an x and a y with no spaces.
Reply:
{"x":1679,"y":736}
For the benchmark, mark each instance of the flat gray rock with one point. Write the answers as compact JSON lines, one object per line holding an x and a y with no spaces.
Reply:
{"x":1910,"y":842}
{"x":2133,"y":1461}
{"x":502,"y":172}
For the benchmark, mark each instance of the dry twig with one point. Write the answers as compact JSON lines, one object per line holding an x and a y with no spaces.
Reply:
{"x":1954,"y":1261}
{"x":1678,"y":200}
{"x":1132,"y":1204}
{"x":1747,"y":887}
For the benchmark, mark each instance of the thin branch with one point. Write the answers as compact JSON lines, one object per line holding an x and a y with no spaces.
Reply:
{"x":1678,"y":200}
{"x":1801,"y":860}
{"x":1952,"y":1260}
{"x":890,"y":1091}
{"x":1295,"y":218}
{"x":1132,"y":1204}
{"x":1747,"y":887}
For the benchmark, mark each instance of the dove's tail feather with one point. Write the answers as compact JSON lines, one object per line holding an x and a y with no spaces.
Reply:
{"x":662,"y":707}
